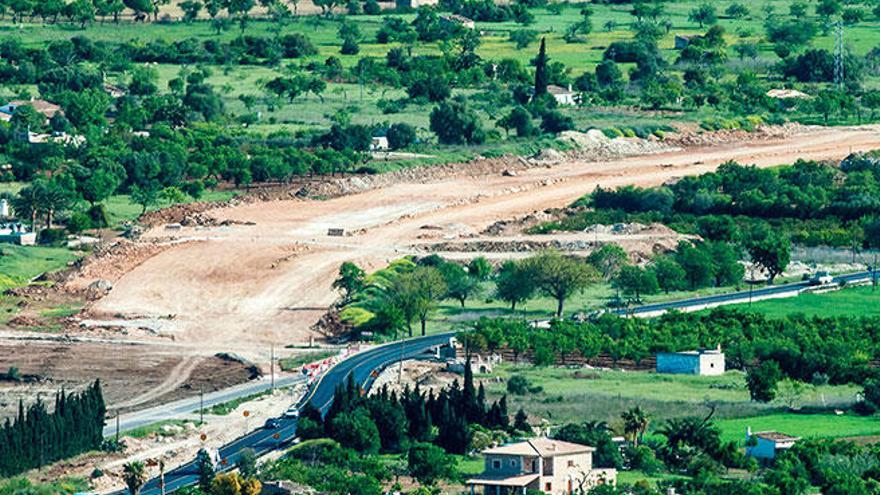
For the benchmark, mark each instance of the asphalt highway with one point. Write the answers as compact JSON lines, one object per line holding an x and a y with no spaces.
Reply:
{"x":360,"y":366}
{"x":188,"y":407}
{"x":737,"y":297}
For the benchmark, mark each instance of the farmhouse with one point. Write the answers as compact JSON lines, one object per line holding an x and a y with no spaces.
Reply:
{"x":540,"y":464}
{"x":767,"y":445}
{"x":44,"y":107}
{"x":379,"y":143}
{"x":458,"y":20}
{"x":563,"y":96}
{"x":703,"y":362}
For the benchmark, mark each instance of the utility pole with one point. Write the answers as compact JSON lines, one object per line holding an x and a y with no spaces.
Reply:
{"x":751,"y":284}
{"x":400,"y":364}
{"x":873,"y":270}
{"x":117,"y":427}
{"x":162,"y":475}
{"x":272,"y":367}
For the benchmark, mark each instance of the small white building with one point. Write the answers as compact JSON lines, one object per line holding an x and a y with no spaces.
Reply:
{"x":379,"y":143}
{"x":563,"y":96}
{"x":4,"y":208}
{"x":702,"y":362}
{"x":768,"y":444}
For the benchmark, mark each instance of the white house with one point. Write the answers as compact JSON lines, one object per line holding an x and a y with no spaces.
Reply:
{"x":703,"y":362}
{"x":767,"y":444}
{"x":379,"y":143}
{"x":549,"y":466}
{"x":563,"y":96}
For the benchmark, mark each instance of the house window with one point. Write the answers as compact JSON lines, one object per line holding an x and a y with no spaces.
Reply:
{"x":548,"y":487}
{"x":570,"y":463}
{"x":496,"y":464}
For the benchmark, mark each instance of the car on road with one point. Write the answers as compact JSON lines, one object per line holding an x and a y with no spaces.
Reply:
{"x":293,"y":412}
{"x":272,"y":423}
{"x":821,"y":278}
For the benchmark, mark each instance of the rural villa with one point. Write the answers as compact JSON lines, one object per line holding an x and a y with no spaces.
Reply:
{"x":540,"y":464}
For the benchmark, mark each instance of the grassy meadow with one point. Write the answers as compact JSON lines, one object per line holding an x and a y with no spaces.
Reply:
{"x":574,"y":394}
{"x":852,"y":301}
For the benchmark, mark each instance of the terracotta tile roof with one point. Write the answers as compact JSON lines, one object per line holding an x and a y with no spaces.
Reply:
{"x":543,"y":447}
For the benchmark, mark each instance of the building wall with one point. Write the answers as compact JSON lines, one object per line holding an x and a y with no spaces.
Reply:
{"x":706,"y":364}
{"x":510,"y":465}
{"x":764,"y":449}
{"x":564,"y":99}
{"x":711,"y":364}
{"x":670,"y":362}
{"x":568,"y":471}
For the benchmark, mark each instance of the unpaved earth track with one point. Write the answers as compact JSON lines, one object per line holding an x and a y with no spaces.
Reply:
{"x":246,"y":286}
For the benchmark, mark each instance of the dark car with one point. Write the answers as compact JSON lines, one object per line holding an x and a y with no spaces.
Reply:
{"x":272,"y":423}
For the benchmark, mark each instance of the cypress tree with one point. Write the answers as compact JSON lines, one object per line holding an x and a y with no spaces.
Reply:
{"x":541,"y":76}
{"x":37,"y":437}
{"x":205,"y":468}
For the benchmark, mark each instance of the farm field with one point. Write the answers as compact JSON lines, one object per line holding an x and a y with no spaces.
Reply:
{"x":828,"y":425}
{"x":852,"y":301}
{"x":572,"y":393}
{"x":18,"y":264}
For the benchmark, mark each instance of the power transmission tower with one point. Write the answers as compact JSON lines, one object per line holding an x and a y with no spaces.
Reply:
{"x":839,"y":74}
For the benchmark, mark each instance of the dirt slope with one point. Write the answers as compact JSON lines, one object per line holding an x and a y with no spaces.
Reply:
{"x":247,"y":285}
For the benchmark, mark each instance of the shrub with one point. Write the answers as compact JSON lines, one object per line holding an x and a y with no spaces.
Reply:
{"x":518,"y":385}
{"x":78,"y":222}
{"x":401,"y":135}
{"x":51,"y":236}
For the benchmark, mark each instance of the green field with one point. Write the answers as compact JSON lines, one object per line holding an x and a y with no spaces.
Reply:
{"x":450,"y":314}
{"x":310,"y":111}
{"x":18,"y":264}
{"x":578,"y":394}
{"x":853,"y":301}
{"x":802,"y":425}
{"x":121,"y":209}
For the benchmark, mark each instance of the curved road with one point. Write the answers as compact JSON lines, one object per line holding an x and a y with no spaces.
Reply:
{"x":360,"y":366}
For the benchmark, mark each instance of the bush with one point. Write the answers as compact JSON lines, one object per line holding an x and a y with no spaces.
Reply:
{"x":78,"y":222}
{"x":518,"y":385}
{"x":401,"y":135}
{"x":51,"y":236}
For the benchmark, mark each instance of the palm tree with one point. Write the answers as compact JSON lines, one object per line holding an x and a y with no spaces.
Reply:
{"x":635,"y":424}
{"x":135,"y":475}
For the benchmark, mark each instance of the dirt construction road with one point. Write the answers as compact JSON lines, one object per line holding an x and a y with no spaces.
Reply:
{"x":244,"y":286}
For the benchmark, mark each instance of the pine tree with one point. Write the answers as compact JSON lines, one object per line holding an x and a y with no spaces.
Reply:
{"x":521,"y":422}
{"x":541,"y":76}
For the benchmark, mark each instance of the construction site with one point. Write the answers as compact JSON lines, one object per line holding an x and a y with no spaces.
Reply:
{"x":203,"y":296}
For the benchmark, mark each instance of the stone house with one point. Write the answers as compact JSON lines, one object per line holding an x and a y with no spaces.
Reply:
{"x":550,"y":466}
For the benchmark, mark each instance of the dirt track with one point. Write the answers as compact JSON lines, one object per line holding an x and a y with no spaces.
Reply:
{"x":245,"y":286}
